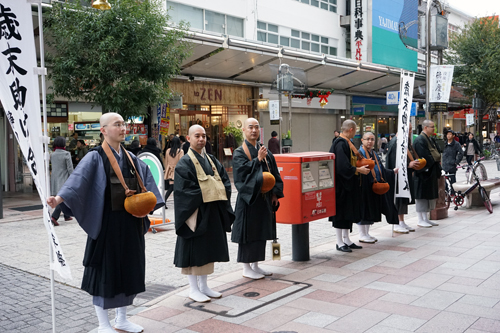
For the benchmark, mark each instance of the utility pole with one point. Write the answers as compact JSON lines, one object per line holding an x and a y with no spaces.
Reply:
{"x":427,"y":57}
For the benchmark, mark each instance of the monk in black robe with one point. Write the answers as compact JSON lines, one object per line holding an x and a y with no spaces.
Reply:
{"x":402,"y":203}
{"x":114,"y":259}
{"x":203,"y":215}
{"x":254,"y":223}
{"x":373,"y":205}
{"x":347,"y":187}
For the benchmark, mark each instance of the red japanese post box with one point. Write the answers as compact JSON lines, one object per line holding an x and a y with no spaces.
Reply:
{"x":309,"y":187}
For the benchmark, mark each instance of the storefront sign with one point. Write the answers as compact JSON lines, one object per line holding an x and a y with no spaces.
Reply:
{"x":413,"y":112}
{"x":392,"y":97}
{"x":438,"y":107}
{"x":406,"y":88}
{"x":358,"y":110}
{"x":204,"y":93}
{"x":274,"y":112}
{"x":176,"y":102}
{"x":440,"y":83}
{"x":19,"y":95}
{"x":359,"y":26}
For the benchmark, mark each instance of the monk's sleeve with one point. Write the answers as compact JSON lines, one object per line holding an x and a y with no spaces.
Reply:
{"x":247,"y":176}
{"x":83,"y":193}
{"x":187,"y":196}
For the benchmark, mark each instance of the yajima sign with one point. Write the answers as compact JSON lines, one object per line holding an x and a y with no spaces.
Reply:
{"x":405,"y":104}
{"x":387,"y":47}
{"x":204,"y":93}
{"x":21,"y":102}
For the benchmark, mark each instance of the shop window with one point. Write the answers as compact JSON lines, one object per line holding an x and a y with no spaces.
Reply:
{"x":56,"y":110}
{"x":234,"y":26}
{"x":214,"y":22}
{"x":179,"y":12}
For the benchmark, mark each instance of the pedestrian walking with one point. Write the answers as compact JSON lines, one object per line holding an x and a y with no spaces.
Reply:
{"x":426,"y":179}
{"x":203,"y":214}
{"x":452,"y":156}
{"x":347,"y":189}
{"x":172,"y":157}
{"x":81,"y":150}
{"x":471,"y":148}
{"x":254,"y":223}
{"x":114,"y":258}
{"x":62,"y":167}
{"x":382,"y":144}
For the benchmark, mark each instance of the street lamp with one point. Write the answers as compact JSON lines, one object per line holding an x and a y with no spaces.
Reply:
{"x":101,"y":4}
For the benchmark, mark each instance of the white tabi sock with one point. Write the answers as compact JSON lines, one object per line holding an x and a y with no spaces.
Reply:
{"x":362,"y":232}
{"x":202,"y":283}
{"x":122,"y":323}
{"x":340,"y":241}
{"x":194,"y":293}
{"x":248,"y":272}
{"x":256,"y":268}
{"x":102,"y":316}
{"x":345,"y":236}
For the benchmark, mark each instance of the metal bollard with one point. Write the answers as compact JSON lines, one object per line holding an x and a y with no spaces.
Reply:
{"x":300,"y":242}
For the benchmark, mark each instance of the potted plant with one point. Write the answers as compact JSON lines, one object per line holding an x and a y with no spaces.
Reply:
{"x":236,"y":132}
{"x":286,"y":140}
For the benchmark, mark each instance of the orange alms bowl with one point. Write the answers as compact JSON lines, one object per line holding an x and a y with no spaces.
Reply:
{"x":422,"y":162}
{"x":140,"y":204}
{"x":380,"y":188}
{"x":365,"y":161}
{"x":268,"y":182}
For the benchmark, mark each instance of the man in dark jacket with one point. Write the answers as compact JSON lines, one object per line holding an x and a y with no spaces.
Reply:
{"x":153,"y":149}
{"x":274,"y":144}
{"x":426,"y":179}
{"x":452,"y":156}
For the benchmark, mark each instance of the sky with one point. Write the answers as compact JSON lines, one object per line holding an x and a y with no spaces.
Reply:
{"x":476,"y":7}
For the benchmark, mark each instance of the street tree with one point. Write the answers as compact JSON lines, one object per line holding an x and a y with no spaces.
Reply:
{"x":475,"y":51}
{"x":121,"y":59}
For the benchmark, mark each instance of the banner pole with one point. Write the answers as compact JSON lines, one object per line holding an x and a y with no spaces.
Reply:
{"x":46,"y":155}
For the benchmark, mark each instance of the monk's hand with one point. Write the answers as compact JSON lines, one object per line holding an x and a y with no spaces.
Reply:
{"x":262,"y":153}
{"x":396,"y":170}
{"x":363,"y":170}
{"x":275,"y":200}
{"x":414,"y":164}
{"x":54,"y":201}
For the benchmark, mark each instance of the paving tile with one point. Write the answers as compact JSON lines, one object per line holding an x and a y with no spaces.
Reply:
{"x":154,"y":325}
{"x":466,"y":281}
{"x":361,"y":265}
{"x":329,"y":278}
{"x":274,"y":318}
{"x":486,"y":325}
{"x":398,"y":298}
{"x":403,"y":322}
{"x":461,"y":272}
{"x":188,"y":318}
{"x":358,"y":321}
{"x":401,"y":309}
{"x":316,"y":319}
{"x":360,"y":297}
{"x":323,"y":295}
{"x":213,"y":325}
{"x":478,"y":291}
{"x":479,"y":300}
{"x":332,"y":287}
{"x":303,"y":328}
{"x":424,"y":265}
{"x":238,"y":304}
{"x":392,"y":287}
{"x":385,"y":329}
{"x":437,"y":299}
{"x":398,"y":279}
{"x":448,"y":322}
{"x":474,"y":310}
{"x":333,"y":309}
{"x":159,"y":313}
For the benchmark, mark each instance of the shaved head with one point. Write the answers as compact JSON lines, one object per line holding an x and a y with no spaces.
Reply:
{"x":251,"y":121}
{"x":195,"y":128}
{"x":251,"y":130}
{"x":108,"y":117}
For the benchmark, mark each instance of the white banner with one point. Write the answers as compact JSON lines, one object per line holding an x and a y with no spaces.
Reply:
{"x":359,"y":30}
{"x":406,"y":87}
{"x":21,"y":101}
{"x":274,"y":111}
{"x":469,"y":119}
{"x":440,"y":83}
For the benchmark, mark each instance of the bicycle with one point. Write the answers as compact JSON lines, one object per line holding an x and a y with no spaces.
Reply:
{"x":458,"y":198}
{"x":478,"y":168}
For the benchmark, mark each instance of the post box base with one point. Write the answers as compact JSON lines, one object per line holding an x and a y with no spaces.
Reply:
{"x":300,"y":242}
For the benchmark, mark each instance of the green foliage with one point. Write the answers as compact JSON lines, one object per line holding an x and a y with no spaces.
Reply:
{"x":121,"y":59}
{"x":288,"y":135}
{"x":236,"y":132}
{"x":476,"y":50}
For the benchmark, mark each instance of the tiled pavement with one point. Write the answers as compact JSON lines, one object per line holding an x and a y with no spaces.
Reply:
{"x":445,"y":278}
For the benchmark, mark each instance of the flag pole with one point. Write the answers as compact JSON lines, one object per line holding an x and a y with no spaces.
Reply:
{"x":42,"y":73}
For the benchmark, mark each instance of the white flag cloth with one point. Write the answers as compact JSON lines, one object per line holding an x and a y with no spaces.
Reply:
{"x":20,"y":98}
{"x":440,"y":77}
{"x":406,"y":88}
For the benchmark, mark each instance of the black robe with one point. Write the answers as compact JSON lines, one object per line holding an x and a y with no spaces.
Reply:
{"x":115,"y":261}
{"x":208,"y":243}
{"x":347,"y":187}
{"x":254,"y":213}
{"x":374,"y":205}
{"x":426,"y":179}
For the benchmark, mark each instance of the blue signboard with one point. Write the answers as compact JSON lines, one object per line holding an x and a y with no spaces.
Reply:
{"x":358,"y":110}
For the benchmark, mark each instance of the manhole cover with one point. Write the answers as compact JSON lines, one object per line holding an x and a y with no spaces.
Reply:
{"x":251,"y":294}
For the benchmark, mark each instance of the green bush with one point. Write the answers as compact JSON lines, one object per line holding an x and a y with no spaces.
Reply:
{"x":236,"y":132}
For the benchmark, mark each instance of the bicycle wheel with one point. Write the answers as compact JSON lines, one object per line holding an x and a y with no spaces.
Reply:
{"x":480,"y":171}
{"x":486,"y":199}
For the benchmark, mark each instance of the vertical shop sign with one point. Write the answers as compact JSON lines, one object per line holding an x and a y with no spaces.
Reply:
{"x":405,"y":104}
{"x":358,"y":30}
{"x":20,"y":99}
{"x":440,"y":83}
